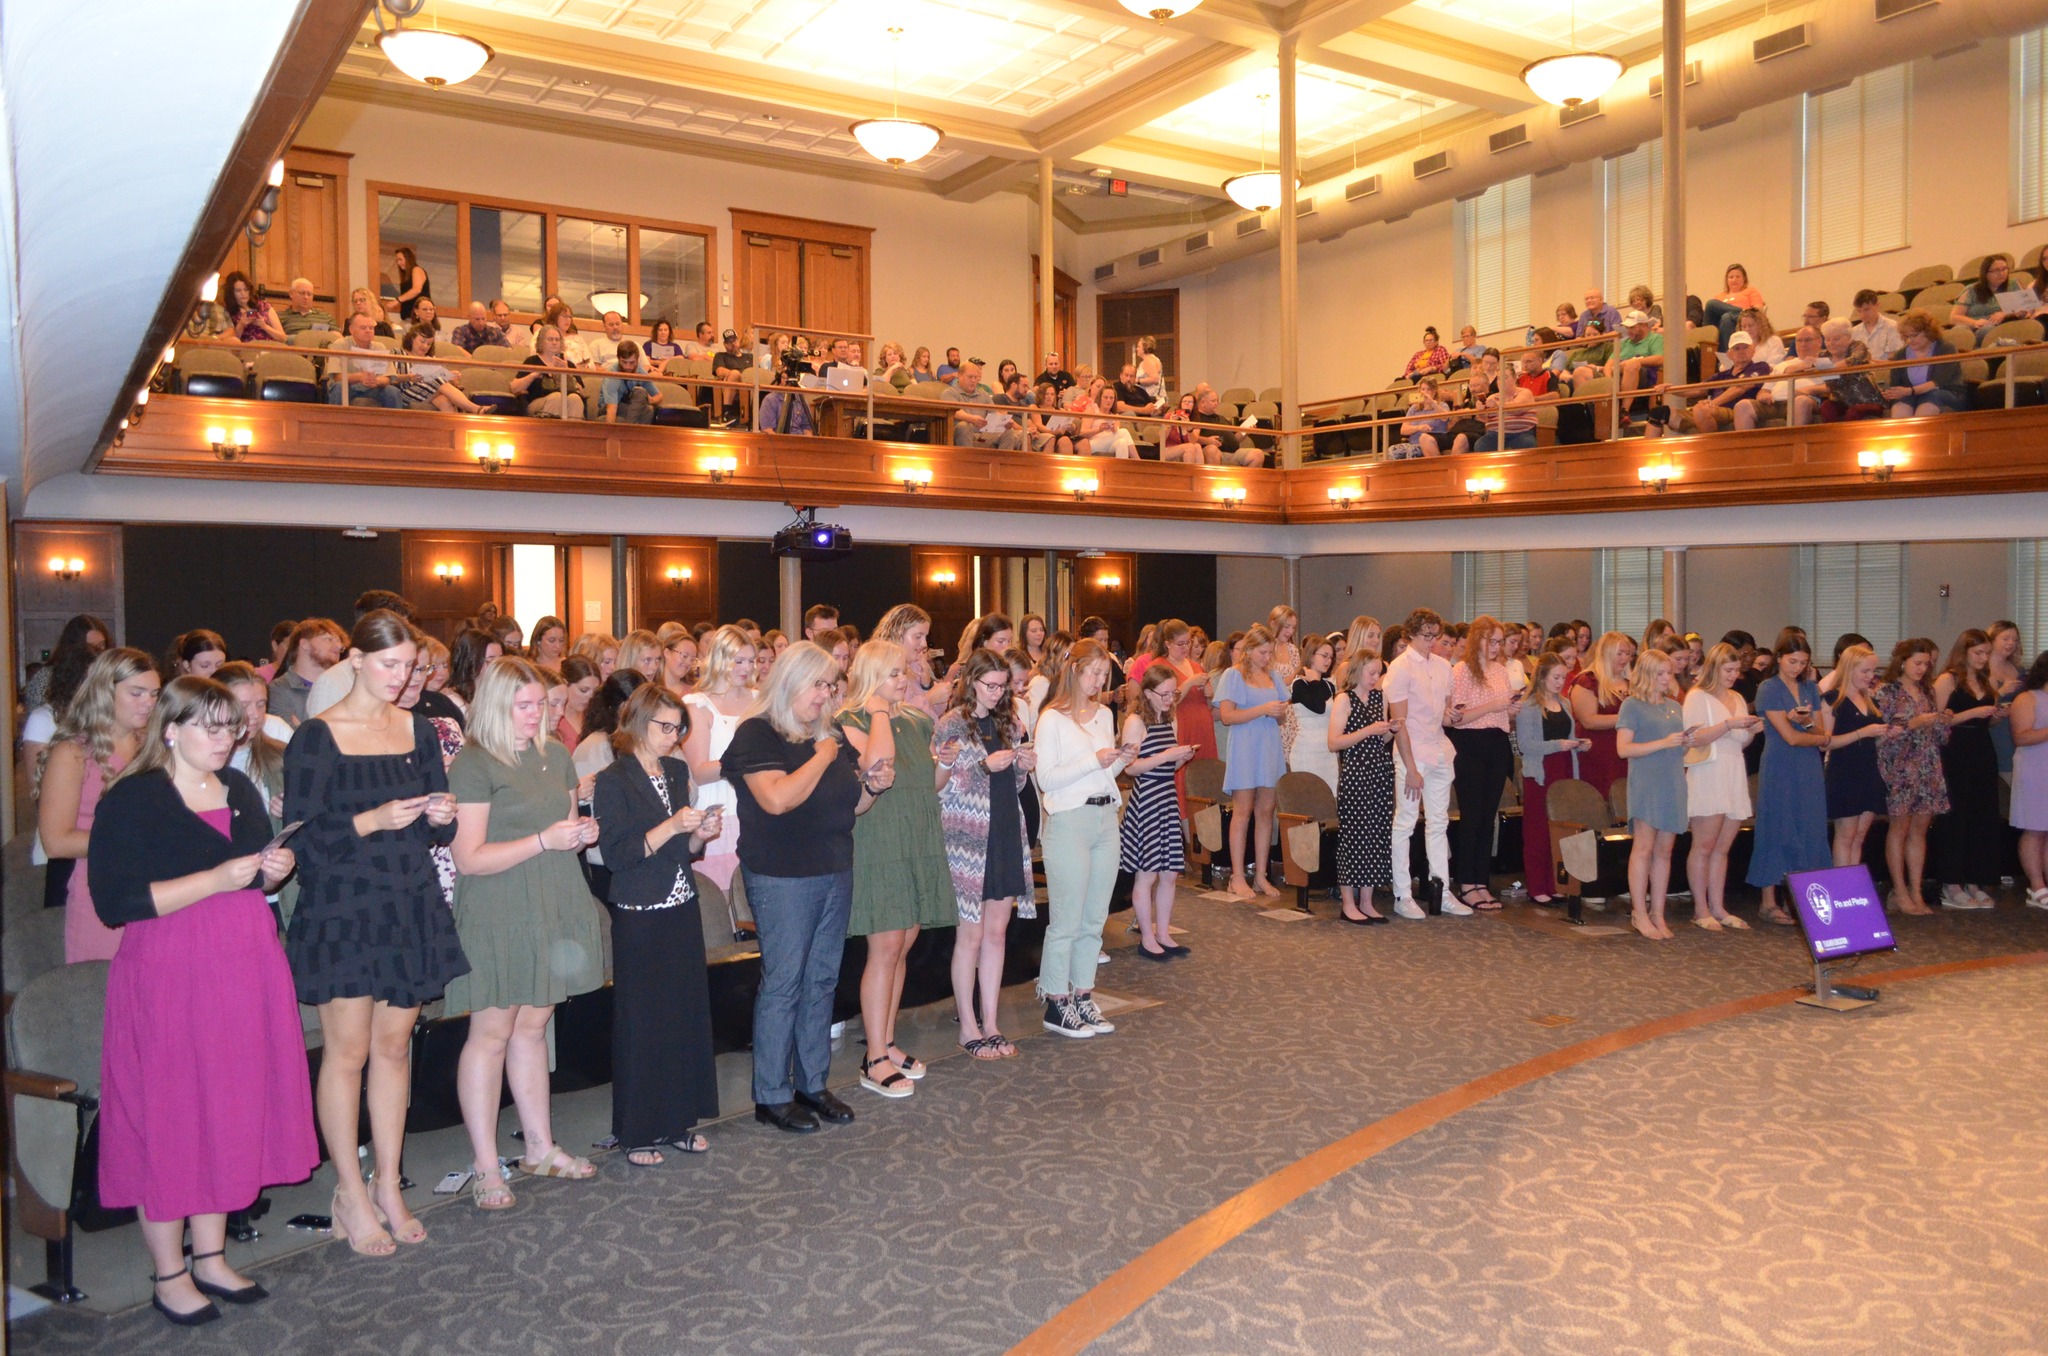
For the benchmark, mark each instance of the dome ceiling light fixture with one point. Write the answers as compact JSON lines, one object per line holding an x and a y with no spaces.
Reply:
{"x":1573,"y":77}
{"x":432,"y":56}
{"x":1258,"y":192}
{"x":1160,"y":10}
{"x":896,"y":141}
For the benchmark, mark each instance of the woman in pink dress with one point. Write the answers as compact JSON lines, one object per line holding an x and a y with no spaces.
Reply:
{"x":204,"y":1097}
{"x":100,"y":732}
{"x":1194,"y":721}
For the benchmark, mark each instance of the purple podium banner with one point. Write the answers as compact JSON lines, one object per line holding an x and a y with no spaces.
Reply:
{"x":1840,"y":911}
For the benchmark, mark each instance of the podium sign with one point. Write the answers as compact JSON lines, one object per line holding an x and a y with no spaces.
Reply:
{"x":1841,"y":912}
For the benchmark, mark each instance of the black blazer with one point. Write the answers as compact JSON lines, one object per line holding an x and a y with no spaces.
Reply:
{"x":142,"y":833}
{"x":625,"y":806}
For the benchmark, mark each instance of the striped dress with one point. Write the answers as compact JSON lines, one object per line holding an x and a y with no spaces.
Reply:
{"x":1151,"y":833}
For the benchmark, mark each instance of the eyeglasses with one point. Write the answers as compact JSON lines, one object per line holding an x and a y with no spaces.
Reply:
{"x":667,"y":726}
{"x":215,"y":729}
{"x":994,"y":684}
{"x":826,"y":684}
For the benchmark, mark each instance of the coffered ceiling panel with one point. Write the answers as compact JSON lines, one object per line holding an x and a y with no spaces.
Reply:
{"x":1332,"y":110}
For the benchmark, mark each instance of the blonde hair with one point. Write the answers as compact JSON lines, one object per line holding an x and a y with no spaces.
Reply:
{"x":1255,"y":635}
{"x":870,"y":667}
{"x":1846,"y":662}
{"x":718,"y":651}
{"x":183,"y":702}
{"x":1355,"y":660}
{"x":1609,"y":685}
{"x":1354,"y":638}
{"x":266,"y":755}
{"x":636,"y":644}
{"x":1065,"y":693}
{"x":1708,"y":679}
{"x":592,"y":645}
{"x":89,"y":717}
{"x":490,"y":710}
{"x":1650,"y":666}
{"x":802,"y":664}
{"x":1283,"y":613}
{"x":673,"y":631}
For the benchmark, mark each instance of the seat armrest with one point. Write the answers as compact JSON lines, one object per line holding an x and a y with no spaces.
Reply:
{"x":20,"y":1083}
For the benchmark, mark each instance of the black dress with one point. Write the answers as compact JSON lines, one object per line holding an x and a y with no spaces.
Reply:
{"x":1968,"y":842}
{"x":371,"y":919}
{"x":1005,"y":874}
{"x":1855,"y":785}
{"x":1365,"y":799}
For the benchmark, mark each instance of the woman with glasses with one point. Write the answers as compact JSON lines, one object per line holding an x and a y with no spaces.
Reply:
{"x":724,"y":697}
{"x":678,"y":658}
{"x":1153,"y":848}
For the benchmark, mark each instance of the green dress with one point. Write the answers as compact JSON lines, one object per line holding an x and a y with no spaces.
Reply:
{"x":532,"y":934}
{"x":900,"y":876}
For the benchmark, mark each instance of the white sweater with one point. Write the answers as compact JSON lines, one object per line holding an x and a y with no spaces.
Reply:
{"x":1068,"y":774}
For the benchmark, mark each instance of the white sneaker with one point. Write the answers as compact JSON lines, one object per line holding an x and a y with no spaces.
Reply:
{"x":1456,"y":909}
{"x":1102,"y":958}
{"x":1408,"y":908}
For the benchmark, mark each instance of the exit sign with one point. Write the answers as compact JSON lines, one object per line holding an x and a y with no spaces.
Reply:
{"x":1119,"y":187}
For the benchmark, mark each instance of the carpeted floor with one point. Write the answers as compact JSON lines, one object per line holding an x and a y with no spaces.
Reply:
{"x":963,"y":1218}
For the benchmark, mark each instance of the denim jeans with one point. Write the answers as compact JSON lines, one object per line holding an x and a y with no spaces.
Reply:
{"x":1080,"y":849}
{"x":339,"y":393}
{"x":1724,"y":317}
{"x":1489,"y":441}
{"x":802,"y":923}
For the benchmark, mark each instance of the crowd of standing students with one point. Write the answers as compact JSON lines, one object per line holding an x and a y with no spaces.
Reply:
{"x":433,"y":821}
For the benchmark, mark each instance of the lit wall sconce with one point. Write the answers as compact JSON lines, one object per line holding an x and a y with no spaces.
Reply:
{"x":1880,"y":465}
{"x":1343,"y":496}
{"x":1482,"y":487}
{"x":1230,"y":496}
{"x":1655,"y":478}
{"x":170,"y":354}
{"x":944,"y":578}
{"x":210,"y":289}
{"x":447,"y":572}
{"x":140,"y":406}
{"x":720,"y":469}
{"x":229,"y":447}
{"x":1109,"y":581}
{"x":1081,"y":487}
{"x":913,"y":478}
{"x":491,"y":459}
{"x":66,"y":568}
{"x":679,"y":575}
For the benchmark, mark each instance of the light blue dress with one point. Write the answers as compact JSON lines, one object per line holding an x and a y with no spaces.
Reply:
{"x":1791,"y":795}
{"x":1656,"y":781}
{"x":1255,"y":756}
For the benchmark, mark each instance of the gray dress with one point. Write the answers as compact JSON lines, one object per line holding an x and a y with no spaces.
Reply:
{"x":1656,"y":781}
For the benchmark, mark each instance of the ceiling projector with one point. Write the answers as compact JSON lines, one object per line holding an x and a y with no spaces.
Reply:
{"x":809,"y":539}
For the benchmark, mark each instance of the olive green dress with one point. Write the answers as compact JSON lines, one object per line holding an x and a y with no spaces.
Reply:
{"x":900,"y":876}
{"x":532,"y":934}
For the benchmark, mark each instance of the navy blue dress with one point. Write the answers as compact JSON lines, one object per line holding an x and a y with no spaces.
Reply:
{"x":1791,"y":799}
{"x":1855,"y":786}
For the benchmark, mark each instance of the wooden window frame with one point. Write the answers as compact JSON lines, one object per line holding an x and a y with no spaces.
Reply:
{"x":550,"y":277}
{"x":1102,"y":299}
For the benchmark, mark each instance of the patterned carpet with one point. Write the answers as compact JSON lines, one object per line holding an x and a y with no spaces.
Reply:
{"x":963,"y":1218}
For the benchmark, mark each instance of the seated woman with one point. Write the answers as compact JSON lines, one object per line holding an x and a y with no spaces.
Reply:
{"x":1048,"y":429}
{"x":1641,"y":298}
{"x":661,"y":344}
{"x":1978,"y":308}
{"x":251,"y":320}
{"x":424,"y":384}
{"x":1724,"y":312}
{"x":1428,"y":423}
{"x":1756,"y":321}
{"x":1432,"y":359}
{"x":1923,"y":387}
{"x":551,"y":391}
{"x":1102,"y":434}
{"x":1179,"y":443}
{"x":1469,"y":349}
{"x":921,"y":365}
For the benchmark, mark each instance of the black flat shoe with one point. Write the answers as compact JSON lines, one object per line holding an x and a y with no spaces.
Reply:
{"x":826,"y":1106}
{"x":1355,"y":922}
{"x":1155,"y":955}
{"x":1178,"y":951}
{"x":193,"y":1319}
{"x":248,"y":1294}
{"x":786,"y":1116}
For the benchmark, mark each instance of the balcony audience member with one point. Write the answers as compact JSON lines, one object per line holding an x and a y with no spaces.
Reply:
{"x":363,"y":301}
{"x":299,"y":314}
{"x":501,"y":316}
{"x":1724,"y":312}
{"x":1796,"y":400}
{"x":1638,"y":360}
{"x":551,"y":390}
{"x":1468,"y":350}
{"x":1431,"y":360}
{"x":663,"y":1079}
{"x":978,"y":428}
{"x":1178,"y":441}
{"x":1600,"y":316}
{"x":1054,"y":373}
{"x":785,"y":411}
{"x":1049,"y":430}
{"x":1968,"y":840}
{"x":1978,"y":307}
{"x":1730,"y":402}
{"x":1132,"y":396}
{"x":604,"y":347}
{"x":1485,"y":390}
{"x":1874,"y":329}
{"x":1223,"y":443}
{"x":1151,"y":374}
{"x":1924,"y":387}
{"x":703,"y":343}
{"x":891,"y":363}
{"x":1716,"y":783}
{"x":428,"y":316}
{"x":921,"y":366}
{"x":473,"y":333}
{"x":661,"y":344}
{"x":315,"y":646}
{"x":1427,"y":427}
{"x":730,"y":363}
{"x":627,"y":395}
{"x":424,"y":384}
{"x":366,"y":379}
{"x":949,"y":367}
{"x":99,"y":732}
{"x":410,"y":283}
{"x":1102,"y":434}
{"x":1641,"y":298}
{"x":203,"y":1095}
{"x":250,"y":318}
{"x":1770,"y":349}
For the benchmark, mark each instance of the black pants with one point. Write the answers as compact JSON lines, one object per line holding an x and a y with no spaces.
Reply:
{"x":1480,"y":775}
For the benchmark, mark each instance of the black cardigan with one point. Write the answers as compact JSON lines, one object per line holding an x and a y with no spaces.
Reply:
{"x":142,"y":833}
{"x":625,"y":806}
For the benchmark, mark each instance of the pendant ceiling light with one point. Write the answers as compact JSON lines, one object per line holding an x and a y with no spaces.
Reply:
{"x":895,"y":140}
{"x":429,"y":55}
{"x":1574,"y":77}
{"x":1162,"y":10}
{"x":1258,"y":192}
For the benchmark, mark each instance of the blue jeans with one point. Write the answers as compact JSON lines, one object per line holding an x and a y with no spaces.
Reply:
{"x":1081,"y":848}
{"x":1724,"y":317}
{"x":1489,"y":441}
{"x":340,"y":393}
{"x":802,"y":922}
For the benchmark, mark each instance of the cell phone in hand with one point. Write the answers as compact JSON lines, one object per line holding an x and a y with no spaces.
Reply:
{"x":284,"y":835}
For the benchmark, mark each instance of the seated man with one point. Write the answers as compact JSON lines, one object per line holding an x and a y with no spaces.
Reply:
{"x":366,"y":380}
{"x":1798,"y":400}
{"x":1874,"y":329}
{"x":1816,"y":314}
{"x":473,"y":333}
{"x":501,"y":316}
{"x":1054,"y":374}
{"x":605,"y":347}
{"x":840,"y":355}
{"x":629,"y":397}
{"x":980,"y":428}
{"x":1600,"y":315}
{"x":299,"y":314}
{"x":1637,"y":363}
{"x":783,"y":410}
{"x":1732,"y":402}
{"x":703,"y":345}
{"x":950,"y":366}
{"x":1223,"y":443}
{"x":730,"y":364}
{"x":1132,"y":398}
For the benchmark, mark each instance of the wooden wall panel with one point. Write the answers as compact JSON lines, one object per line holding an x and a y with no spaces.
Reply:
{"x":442,"y":605}
{"x":951,"y":604}
{"x":1106,"y":586}
{"x":44,"y":602}
{"x":658,"y":599}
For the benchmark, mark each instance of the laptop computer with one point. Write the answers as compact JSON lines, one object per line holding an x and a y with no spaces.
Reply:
{"x":846,"y":377}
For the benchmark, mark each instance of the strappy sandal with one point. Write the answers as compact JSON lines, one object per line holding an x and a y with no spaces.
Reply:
{"x":1487,"y":905}
{"x":1002,"y":1044}
{"x":896,"y":1084}
{"x":363,"y":1244}
{"x":559,"y":1163}
{"x":492,"y":1195}
{"x":692,"y":1143}
{"x":913,"y":1068}
{"x":411,"y":1235}
{"x":982,"y":1048}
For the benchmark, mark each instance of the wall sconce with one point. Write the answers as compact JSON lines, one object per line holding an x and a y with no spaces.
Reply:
{"x":1655,"y":478}
{"x":1109,"y":581}
{"x":1879,"y":466}
{"x":1482,"y":487}
{"x":1230,"y":496}
{"x":913,"y":478}
{"x":720,"y":469}
{"x":210,"y":289}
{"x":679,"y":575}
{"x":447,"y":573}
{"x":66,"y":568}
{"x":139,"y":407}
{"x":1344,"y":496}
{"x":944,"y":578}
{"x":229,"y":447}
{"x":1081,"y":487}
{"x":492,"y":460}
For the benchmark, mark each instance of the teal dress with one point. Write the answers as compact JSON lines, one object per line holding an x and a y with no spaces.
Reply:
{"x":1656,"y":781}
{"x":1791,"y":795}
{"x":901,"y":878}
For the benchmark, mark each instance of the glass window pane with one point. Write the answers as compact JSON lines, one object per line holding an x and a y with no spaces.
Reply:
{"x":672,"y":278}
{"x":590,"y":266}
{"x":428,"y":227}
{"x":505,"y":258}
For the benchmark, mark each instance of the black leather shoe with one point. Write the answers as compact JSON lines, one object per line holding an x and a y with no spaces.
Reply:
{"x":786,"y":1116}
{"x":248,"y":1294}
{"x":827,"y":1106}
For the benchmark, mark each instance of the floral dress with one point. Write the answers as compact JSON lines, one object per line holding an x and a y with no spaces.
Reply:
{"x":1911,"y":763}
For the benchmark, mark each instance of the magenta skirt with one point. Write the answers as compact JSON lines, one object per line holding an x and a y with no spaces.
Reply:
{"x":204,"y":1096}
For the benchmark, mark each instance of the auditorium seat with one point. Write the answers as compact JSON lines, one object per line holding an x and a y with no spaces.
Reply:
{"x":287,"y":377}
{"x":54,"y":1030}
{"x":1303,"y":798}
{"x":1271,"y":395}
{"x":211,"y":372}
{"x":1891,"y":303}
{"x":1972,"y":269}
{"x":444,"y":349}
{"x":380,"y":341}
{"x":1937,"y":298}
{"x":1239,"y":396}
{"x":1921,"y":278}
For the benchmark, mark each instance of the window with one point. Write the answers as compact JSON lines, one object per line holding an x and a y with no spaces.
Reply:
{"x":429,"y":228}
{"x":1630,"y":588}
{"x":1852,"y":168}
{"x":1493,"y":248}
{"x":2030,"y":593}
{"x":1851,"y":587}
{"x":2029,"y":126}
{"x":1632,"y":220}
{"x":590,"y":266}
{"x":507,"y":258}
{"x":1492,"y":584}
{"x":672,"y":269}
{"x":1123,"y":318}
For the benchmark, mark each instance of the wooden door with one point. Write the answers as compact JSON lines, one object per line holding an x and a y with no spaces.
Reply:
{"x":1066,"y":294}
{"x":770,"y":292}
{"x":835,"y":287}
{"x":307,"y":235}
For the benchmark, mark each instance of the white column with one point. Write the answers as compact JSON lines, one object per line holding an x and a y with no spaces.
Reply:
{"x":792,"y":570}
{"x":1674,"y":587}
{"x":1675,"y":326}
{"x":1049,"y":338}
{"x":1290,"y":277}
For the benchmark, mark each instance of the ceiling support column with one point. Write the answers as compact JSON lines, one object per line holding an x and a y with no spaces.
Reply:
{"x":1675,"y":324}
{"x":1048,"y":337}
{"x":1290,"y":270}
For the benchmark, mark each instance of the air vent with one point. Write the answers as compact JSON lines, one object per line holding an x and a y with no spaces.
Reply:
{"x":1692,"y":77}
{"x":1362,"y":188}
{"x":1779,"y":43}
{"x":1892,"y":9}
{"x":842,"y":252}
{"x":1567,"y":117}
{"x":1103,"y":272}
{"x":1197,"y":243}
{"x":1147,"y":258}
{"x":1250,"y":226}
{"x":1432,"y":164}
{"x":1305,"y":207}
{"x":1508,"y":139}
